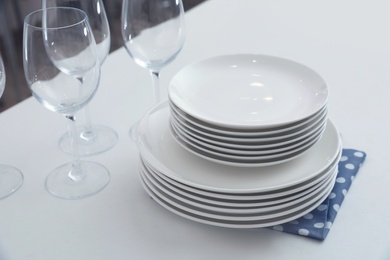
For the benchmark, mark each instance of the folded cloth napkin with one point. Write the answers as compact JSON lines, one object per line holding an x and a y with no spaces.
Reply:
{"x":317,"y":223}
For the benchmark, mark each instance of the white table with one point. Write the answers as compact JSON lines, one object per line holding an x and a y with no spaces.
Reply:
{"x":347,"y":42}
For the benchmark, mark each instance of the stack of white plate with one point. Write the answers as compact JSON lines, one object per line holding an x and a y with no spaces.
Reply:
{"x":248,"y":110}
{"x":233,"y":196}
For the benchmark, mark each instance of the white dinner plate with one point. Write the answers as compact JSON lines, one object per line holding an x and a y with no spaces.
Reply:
{"x":257,"y":197}
{"x":245,"y":200}
{"x":237,"y":214}
{"x":231,"y":222}
{"x":250,"y":91}
{"x":183,"y":198}
{"x":158,"y":147}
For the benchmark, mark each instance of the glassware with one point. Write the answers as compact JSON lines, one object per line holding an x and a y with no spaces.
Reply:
{"x":153,"y":34}
{"x":92,"y":138}
{"x":62,"y":69}
{"x":11,"y":179}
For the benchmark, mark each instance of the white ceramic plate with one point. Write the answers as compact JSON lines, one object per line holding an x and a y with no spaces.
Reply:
{"x":267,"y":197}
{"x":246,"y":139}
{"x":262,"y":133}
{"x":158,"y":147}
{"x":247,"y":91}
{"x":230,"y":222}
{"x":248,"y":148}
{"x":236,"y":208}
{"x":243,"y":160}
{"x":237,"y":214}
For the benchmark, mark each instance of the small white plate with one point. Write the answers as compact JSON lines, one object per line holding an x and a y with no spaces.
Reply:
{"x":249,"y":91}
{"x":270,"y":147}
{"x":244,"y":138}
{"x":244,"y":160}
{"x":158,"y":147}
{"x":261,"y":134}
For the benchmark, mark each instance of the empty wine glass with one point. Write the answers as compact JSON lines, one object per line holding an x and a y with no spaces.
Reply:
{"x":92,"y":138}
{"x":153,"y":34}
{"x":10,"y":178}
{"x":62,"y":69}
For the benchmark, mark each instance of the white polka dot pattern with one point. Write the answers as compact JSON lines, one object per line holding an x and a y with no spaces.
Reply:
{"x":317,"y":223}
{"x":278,"y":228}
{"x":303,"y":232}
{"x":308,"y":216}
{"x":340,"y":180}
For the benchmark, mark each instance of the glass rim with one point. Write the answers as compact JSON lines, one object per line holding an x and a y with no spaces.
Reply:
{"x":27,"y":19}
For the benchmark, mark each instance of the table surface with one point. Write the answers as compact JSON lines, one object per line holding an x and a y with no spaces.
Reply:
{"x":347,"y":42}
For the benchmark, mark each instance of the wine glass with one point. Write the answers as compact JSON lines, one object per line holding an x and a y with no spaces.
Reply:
{"x":153,"y":34}
{"x":10,"y":178}
{"x":62,"y":69}
{"x":92,"y":138}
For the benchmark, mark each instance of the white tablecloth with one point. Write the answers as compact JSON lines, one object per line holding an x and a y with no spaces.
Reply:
{"x":347,"y":42}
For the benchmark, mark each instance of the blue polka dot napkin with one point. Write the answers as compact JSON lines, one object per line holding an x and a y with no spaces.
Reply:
{"x":317,"y":223}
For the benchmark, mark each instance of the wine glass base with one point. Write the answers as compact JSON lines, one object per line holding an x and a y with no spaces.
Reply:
{"x":101,"y":139}
{"x":59,"y":184}
{"x":10,"y":180}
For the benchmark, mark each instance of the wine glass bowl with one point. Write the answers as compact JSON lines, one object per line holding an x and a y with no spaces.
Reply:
{"x":62,"y":69}
{"x":91,"y":138}
{"x":153,"y":33}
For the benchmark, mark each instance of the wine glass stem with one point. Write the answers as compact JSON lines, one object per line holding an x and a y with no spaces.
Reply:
{"x":87,"y":133}
{"x":156,"y":86}
{"x":75,"y":173}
